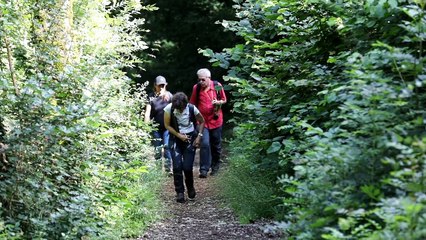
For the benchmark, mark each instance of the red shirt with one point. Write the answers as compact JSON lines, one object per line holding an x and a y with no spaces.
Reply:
{"x":205,"y":104}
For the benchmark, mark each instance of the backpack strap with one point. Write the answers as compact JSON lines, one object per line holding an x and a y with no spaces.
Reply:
{"x":173,"y":119}
{"x":197,"y":93}
{"x":192,"y":115}
{"x":218,"y":96}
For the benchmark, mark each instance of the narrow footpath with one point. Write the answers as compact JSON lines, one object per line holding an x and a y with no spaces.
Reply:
{"x":205,"y":218}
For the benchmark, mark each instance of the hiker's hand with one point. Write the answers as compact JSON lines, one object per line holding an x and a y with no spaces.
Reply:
{"x":196,"y":143}
{"x":217,"y":102}
{"x":184,"y":137}
{"x":164,"y":95}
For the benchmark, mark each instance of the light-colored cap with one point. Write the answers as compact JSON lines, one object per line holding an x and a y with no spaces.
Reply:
{"x":160,"y":80}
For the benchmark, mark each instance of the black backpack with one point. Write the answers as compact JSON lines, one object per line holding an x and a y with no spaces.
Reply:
{"x":173,"y":120}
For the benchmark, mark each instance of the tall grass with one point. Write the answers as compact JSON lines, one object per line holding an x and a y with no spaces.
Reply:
{"x":247,"y":188}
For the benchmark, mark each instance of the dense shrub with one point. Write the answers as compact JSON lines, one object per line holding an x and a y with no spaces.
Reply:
{"x":334,"y":93}
{"x":78,"y":154}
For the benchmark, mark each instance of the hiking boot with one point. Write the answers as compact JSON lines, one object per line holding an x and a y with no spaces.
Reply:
{"x":191,"y":194}
{"x":203,"y":174}
{"x":169,"y":172}
{"x":180,"y":198}
{"x":215,"y":169}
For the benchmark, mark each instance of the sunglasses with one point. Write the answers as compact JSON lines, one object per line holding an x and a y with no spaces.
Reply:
{"x":203,"y":79}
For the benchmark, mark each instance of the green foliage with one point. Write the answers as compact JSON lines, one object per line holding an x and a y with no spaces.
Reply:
{"x":334,"y":93}
{"x":243,"y":183}
{"x":178,"y":30}
{"x":78,"y":152}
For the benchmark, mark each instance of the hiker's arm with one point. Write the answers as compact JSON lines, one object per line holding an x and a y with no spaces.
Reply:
{"x":223,"y":99}
{"x":200,"y":120}
{"x":167,"y":124}
{"x":167,"y":120}
{"x":193,"y":98}
{"x":147,"y":113}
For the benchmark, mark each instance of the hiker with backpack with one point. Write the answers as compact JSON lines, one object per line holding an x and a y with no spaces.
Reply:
{"x":185,"y":124}
{"x":208,"y":96}
{"x":158,"y":99}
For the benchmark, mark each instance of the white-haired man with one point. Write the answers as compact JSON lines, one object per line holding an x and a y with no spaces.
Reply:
{"x":209,"y":96}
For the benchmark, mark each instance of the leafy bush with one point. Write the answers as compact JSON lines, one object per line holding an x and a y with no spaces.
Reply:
{"x":78,"y":152}
{"x":334,"y":92}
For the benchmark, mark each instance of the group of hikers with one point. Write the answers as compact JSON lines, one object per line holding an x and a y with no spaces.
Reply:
{"x":184,"y":126}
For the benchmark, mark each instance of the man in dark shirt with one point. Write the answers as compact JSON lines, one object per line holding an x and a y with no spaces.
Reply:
{"x":154,"y":111}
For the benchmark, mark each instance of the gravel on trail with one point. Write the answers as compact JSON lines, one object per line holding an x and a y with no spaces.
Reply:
{"x":207,"y":217}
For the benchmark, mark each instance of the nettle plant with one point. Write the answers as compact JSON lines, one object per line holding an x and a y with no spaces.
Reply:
{"x":71,"y":117}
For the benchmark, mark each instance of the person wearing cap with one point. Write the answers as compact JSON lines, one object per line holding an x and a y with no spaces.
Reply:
{"x":158,"y":99}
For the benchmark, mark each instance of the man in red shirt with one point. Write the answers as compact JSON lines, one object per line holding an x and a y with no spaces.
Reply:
{"x":208,"y":96}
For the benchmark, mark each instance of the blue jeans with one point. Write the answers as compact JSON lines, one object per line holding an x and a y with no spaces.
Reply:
{"x":160,"y":141}
{"x":183,"y":155}
{"x":211,"y":148}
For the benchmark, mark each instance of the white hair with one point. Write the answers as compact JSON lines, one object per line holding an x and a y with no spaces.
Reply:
{"x":203,"y":72}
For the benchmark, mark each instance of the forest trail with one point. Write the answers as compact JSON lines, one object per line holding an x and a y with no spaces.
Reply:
{"x":204,"y":218}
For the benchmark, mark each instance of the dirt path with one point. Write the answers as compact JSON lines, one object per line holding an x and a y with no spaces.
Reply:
{"x":204,"y":218}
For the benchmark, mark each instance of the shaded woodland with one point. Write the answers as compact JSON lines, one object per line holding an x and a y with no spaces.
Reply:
{"x":327,"y":109}
{"x":177,"y":32}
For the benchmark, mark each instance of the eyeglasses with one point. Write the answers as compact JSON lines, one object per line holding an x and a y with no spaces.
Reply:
{"x":161,"y":85}
{"x":203,"y":79}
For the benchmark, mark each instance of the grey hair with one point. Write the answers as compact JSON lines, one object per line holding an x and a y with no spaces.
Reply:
{"x":203,"y":72}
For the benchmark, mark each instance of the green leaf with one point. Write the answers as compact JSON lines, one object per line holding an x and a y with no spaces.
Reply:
{"x":218,"y":87}
{"x":275,"y":147}
{"x":372,"y":191}
{"x":393,"y":3}
{"x":345,"y":224}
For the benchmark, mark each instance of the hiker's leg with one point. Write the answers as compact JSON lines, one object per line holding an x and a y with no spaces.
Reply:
{"x":157,"y":143}
{"x":205,"y":156}
{"x":188,"y":157}
{"x":167,"y":155}
{"x":188,"y":163}
{"x":216,"y":148}
{"x":177,"y":159}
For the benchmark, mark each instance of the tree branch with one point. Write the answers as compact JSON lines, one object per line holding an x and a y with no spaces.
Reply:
{"x":9,"y":59}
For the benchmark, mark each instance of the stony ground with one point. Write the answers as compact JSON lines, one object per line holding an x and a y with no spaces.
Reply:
{"x":204,"y":218}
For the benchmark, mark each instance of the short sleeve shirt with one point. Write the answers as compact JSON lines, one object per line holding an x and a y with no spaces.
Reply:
{"x":157,"y":106}
{"x":183,"y":118}
{"x":205,"y":105}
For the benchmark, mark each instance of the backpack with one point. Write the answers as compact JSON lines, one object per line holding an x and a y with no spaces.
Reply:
{"x":198,"y":90}
{"x":173,"y":120}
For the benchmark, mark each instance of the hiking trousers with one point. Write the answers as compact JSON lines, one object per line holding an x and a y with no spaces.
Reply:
{"x":183,"y":161}
{"x":211,"y":149}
